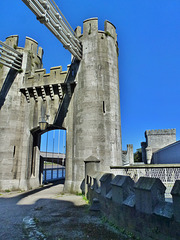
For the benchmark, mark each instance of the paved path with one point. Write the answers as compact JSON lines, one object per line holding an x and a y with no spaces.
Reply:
{"x":47,"y":213}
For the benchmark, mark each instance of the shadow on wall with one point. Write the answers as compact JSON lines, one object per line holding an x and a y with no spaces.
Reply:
{"x":7,"y":85}
{"x":70,"y":85}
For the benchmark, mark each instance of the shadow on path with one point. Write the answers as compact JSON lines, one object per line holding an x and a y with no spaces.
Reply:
{"x":48,"y":213}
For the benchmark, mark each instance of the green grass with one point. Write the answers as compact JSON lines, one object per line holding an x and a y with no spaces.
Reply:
{"x":7,"y":190}
{"x":127,"y":234}
{"x":83,"y":196}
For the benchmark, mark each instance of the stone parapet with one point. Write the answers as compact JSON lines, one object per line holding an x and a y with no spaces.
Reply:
{"x":122,"y":187}
{"x":106,"y":183}
{"x":176,"y":200}
{"x":148,"y":193}
{"x":161,"y":132}
{"x":139,"y":209}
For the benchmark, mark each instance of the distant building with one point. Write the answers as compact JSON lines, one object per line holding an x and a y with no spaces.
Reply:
{"x":157,"y":143}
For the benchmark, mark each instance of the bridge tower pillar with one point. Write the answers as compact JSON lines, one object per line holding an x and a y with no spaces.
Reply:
{"x":19,"y":153}
{"x":94,"y":125}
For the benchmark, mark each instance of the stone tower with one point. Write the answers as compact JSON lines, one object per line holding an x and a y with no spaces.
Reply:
{"x":96,"y":127}
{"x":17,"y":154}
{"x":155,"y":140}
{"x":84,"y":100}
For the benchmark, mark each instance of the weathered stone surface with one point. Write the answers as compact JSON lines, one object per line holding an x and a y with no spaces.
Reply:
{"x":142,"y":223}
{"x":84,"y":100}
{"x":122,"y":187}
{"x":155,"y":140}
{"x":106,"y":183}
{"x":96,"y":126}
{"x":95,"y":205}
{"x":176,"y":200}
{"x":148,"y":193}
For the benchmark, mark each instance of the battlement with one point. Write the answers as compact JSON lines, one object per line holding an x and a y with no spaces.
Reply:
{"x":90,"y":28}
{"x":40,"y":77}
{"x":30,"y":45}
{"x":42,"y":84}
{"x":120,"y":196}
{"x":161,"y":132}
{"x":32,"y":54}
{"x":12,"y":41}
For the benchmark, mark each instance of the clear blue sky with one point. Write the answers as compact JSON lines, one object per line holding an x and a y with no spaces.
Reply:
{"x":149,"y":58}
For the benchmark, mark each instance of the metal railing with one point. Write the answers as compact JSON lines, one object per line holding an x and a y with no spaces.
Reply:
{"x":48,"y":13}
{"x":10,"y":57}
{"x":167,"y":173}
{"x":52,"y":174}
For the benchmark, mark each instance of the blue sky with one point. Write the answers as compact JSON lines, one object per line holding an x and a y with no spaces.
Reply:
{"x":149,"y":54}
{"x":54,"y":141}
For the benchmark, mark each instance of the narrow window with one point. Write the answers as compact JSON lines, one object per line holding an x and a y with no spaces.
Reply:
{"x":14,"y":151}
{"x":104,"y":107}
{"x":89,"y":29}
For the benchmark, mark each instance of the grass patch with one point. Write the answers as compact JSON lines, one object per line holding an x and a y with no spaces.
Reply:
{"x":7,"y":190}
{"x":83,"y":196}
{"x":123,"y":231}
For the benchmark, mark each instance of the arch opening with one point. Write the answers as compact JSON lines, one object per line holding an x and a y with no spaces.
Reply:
{"x":53,"y":156}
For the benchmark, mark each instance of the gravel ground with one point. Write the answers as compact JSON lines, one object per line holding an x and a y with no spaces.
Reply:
{"x":47,"y":213}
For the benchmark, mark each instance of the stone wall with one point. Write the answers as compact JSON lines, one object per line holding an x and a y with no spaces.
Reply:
{"x":155,"y":140}
{"x":138,"y":209}
{"x":160,"y":138}
{"x":95,"y":130}
{"x":128,"y":156}
{"x":84,"y":100}
{"x":19,"y":166}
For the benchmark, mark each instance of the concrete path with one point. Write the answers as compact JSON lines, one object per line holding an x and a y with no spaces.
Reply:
{"x":47,"y":213}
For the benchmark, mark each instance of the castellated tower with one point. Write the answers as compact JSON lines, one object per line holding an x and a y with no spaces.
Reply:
{"x":16,"y":140}
{"x":96,"y":127}
{"x":84,"y":100}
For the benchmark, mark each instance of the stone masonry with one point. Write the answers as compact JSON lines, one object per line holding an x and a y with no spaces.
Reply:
{"x":84,"y":100}
{"x":155,"y":140}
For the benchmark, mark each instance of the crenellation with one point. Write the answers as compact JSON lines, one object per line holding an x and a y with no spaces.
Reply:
{"x":31,"y":45}
{"x":40,"y":52}
{"x":156,"y":140}
{"x":12,"y":41}
{"x":90,"y":27}
{"x":41,"y":78}
{"x":110,"y":30}
{"x":132,"y":204}
{"x":171,"y":131}
{"x":90,"y":110}
{"x":78,"y":31}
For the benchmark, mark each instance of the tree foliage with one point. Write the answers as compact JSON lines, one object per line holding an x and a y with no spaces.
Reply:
{"x":138,"y":155}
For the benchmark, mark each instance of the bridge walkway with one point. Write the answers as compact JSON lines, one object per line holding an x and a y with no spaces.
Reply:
{"x":48,"y":213}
